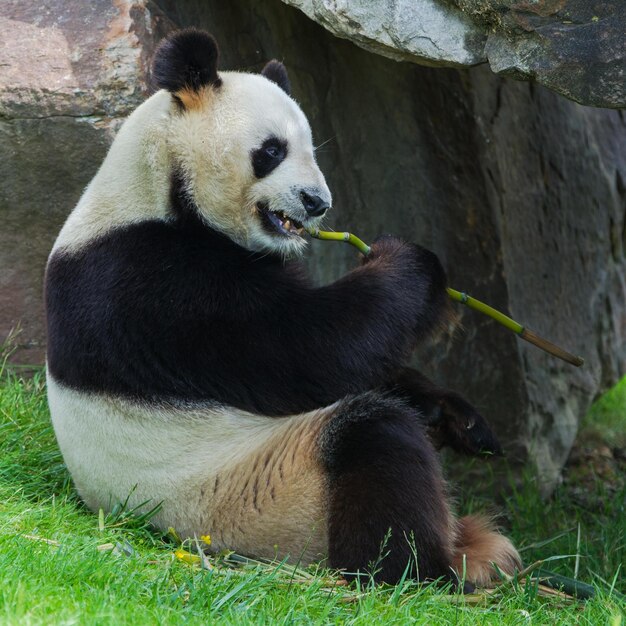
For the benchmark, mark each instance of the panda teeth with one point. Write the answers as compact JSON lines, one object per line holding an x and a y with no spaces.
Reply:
{"x":286,"y":224}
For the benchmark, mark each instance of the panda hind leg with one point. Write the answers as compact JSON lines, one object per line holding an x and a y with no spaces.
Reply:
{"x":387,"y":508}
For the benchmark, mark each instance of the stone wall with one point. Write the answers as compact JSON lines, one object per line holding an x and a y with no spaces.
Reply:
{"x":519,"y":191}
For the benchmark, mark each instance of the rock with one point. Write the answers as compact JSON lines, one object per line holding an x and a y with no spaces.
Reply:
{"x":574,"y":47}
{"x":520,"y":192}
{"x":424,"y":31}
{"x":69,"y":74}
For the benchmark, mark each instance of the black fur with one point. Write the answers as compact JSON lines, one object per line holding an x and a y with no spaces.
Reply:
{"x":186,"y":59}
{"x":384,"y":482}
{"x":269,"y":156}
{"x":277,"y":73}
{"x":183,"y":207}
{"x":176,"y":311}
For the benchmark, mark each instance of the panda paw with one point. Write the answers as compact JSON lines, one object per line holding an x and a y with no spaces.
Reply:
{"x":417,"y":259}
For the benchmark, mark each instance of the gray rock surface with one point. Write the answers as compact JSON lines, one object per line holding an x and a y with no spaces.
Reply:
{"x":520,"y":192}
{"x":575,"y":47}
{"x":431,"y":32}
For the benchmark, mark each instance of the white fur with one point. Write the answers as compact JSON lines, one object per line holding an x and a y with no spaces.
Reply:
{"x":211,"y":143}
{"x":132,"y":184}
{"x":176,"y":456}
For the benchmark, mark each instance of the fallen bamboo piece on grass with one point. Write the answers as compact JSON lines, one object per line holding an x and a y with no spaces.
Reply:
{"x":463,"y":298}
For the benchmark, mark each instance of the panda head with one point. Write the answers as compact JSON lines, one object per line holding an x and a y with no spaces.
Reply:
{"x":241,"y":147}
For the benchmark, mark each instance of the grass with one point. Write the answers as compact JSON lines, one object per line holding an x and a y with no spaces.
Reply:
{"x":61,"y":564}
{"x":607,"y":417}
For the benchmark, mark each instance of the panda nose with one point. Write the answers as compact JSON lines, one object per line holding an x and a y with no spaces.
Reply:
{"x":314,"y":205}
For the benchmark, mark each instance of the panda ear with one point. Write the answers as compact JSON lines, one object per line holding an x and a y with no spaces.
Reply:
{"x":277,"y":73}
{"x":185,"y":62}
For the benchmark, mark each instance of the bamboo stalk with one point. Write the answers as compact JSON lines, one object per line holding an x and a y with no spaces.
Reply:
{"x":473,"y":303}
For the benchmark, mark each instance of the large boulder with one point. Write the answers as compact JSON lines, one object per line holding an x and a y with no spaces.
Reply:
{"x":575,"y":47}
{"x":519,"y":191}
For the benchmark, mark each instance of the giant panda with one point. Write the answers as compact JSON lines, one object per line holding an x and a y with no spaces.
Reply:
{"x":193,"y":365}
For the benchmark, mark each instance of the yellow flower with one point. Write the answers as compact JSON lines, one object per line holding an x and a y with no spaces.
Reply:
{"x":187,"y":557}
{"x":206,"y":538}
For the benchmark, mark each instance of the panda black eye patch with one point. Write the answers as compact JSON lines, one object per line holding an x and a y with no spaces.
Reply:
{"x":269,"y":156}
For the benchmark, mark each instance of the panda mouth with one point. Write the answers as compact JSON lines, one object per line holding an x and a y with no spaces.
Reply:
{"x":277,"y":222}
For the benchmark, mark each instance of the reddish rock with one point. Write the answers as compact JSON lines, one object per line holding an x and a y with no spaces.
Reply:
{"x":69,"y":74}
